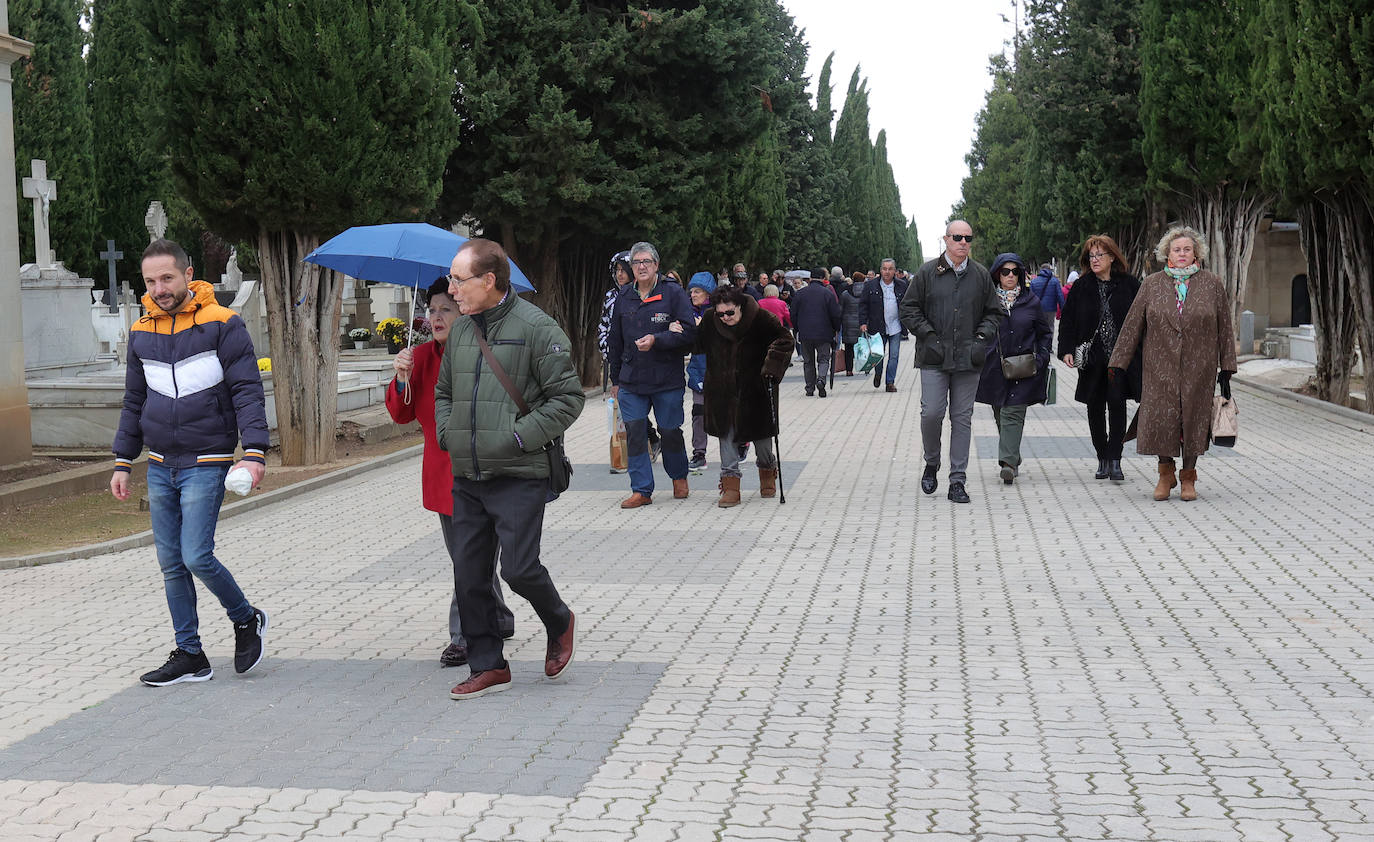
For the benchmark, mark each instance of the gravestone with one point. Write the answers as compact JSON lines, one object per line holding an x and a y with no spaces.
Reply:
{"x":155,"y":220}
{"x":111,"y":258}
{"x":15,"y":438}
{"x":357,"y":306}
{"x":232,"y":278}
{"x":59,"y":336}
{"x":43,"y":191}
{"x":249,"y":304}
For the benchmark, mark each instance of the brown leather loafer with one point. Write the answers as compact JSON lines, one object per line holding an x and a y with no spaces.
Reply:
{"x":482,"y":683}
{"x":680,"y":491}
{"x":560,"y":651}
{"x":634,"y":501}
{"x":454,"y":655}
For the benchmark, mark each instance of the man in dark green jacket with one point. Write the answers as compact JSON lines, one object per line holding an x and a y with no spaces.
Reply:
{"x":951,"y":309}
{"x":499,"y":456}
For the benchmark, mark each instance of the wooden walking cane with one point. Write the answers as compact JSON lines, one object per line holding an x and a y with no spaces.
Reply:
{"x":777,"y":446}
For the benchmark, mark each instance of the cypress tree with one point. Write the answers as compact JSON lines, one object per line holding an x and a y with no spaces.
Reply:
{"x":853,"y":152}
{"x":52,"y":121}
{"x":1194,"y":83}
{"x":288,"y":121}
{"x":990,"y":194}
{"x":126,"y":98}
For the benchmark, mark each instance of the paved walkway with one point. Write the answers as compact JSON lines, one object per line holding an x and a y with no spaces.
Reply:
{"x":1062,"y":659}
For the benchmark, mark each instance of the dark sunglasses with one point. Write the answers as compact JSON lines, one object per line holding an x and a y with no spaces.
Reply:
{"x":724,"y":313}
{"x":961,"y":238}
{"x":1007,"y":270}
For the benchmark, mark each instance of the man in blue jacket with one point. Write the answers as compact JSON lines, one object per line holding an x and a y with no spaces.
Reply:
{"x":647,"y":372}
{"x":191,"y":390}
{"x":1047,"y":288}
{"x":816,"y":314}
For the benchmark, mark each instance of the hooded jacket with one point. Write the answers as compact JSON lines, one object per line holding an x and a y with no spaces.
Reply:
{"x":1027,"y":329}
{"x":1048,"y":289}
{"x":191,"y":387}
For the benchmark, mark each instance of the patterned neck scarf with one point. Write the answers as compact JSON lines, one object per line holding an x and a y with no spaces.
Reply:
{"x":1181,"y":277}
{"x":1008,"y":296}
{"x":1106,"y":325}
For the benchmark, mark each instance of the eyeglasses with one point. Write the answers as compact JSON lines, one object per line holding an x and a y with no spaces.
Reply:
{"x":961,"y":238}
{"x":1097,"y":255}
{"x":726,"y":314}
{"x":1006,"y":271}
{"x":460,"y":281}
{"x":643,"y":262}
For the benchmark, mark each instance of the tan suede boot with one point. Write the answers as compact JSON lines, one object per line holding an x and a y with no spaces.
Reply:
{"x":1166,"y":481}
{"x":729,"y":492}
{"x":768,"y":482}
{"x":1188,"y":476}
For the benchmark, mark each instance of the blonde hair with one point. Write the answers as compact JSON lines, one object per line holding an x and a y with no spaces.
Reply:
{"x":770,"y":291}
{"x":1178,"y":232}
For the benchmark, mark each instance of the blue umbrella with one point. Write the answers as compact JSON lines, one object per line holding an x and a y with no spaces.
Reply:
{"x":404,"y":253}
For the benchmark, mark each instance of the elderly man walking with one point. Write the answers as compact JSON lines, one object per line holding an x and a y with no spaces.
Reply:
{"x":816,"y":313}
{"x":647,"y":372}
{"x":951,"y":309}
{"x":500,"y":344}
{"x":880,"y":317}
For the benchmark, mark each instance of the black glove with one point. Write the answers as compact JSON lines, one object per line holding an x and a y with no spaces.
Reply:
{"x":1113,"y":373}
{"x":1224,"y":381}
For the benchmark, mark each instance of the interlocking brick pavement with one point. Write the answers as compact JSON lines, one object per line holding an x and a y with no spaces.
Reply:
{"x":1062,"y":659}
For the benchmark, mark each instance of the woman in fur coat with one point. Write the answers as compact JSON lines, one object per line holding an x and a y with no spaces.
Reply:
{"x":747,"y":352}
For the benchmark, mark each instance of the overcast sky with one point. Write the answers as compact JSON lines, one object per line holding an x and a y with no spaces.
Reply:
{"x":927,"y":69}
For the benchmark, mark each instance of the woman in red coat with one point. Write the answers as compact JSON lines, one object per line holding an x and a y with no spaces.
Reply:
{"x":410,"y":397}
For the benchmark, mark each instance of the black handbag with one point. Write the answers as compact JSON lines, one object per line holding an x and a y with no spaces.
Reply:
{"x":560,"y":469}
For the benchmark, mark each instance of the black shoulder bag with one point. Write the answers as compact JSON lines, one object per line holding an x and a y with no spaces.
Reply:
{"x":560,"y":469}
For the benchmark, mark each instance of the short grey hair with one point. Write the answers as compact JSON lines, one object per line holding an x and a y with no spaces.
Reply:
{"x":950,"y":224}
{"x":1176,"y":232}
{"x":770,"y":291}
{"x":836,"y":273}
{"x":644,"y":248}
{"x":887,"y":260}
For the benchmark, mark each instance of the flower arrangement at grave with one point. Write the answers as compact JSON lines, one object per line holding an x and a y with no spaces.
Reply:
{"x":421,"y":330}
{"x":393,"y":330}
{"x":360,"y":334}
{"x":265,"y":365}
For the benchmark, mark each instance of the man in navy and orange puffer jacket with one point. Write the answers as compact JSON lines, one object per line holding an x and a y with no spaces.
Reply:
{"x":191,"y":390}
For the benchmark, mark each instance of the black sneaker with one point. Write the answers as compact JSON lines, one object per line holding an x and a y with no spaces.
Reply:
{"x":820,"y":390}
{"x":698,"y":462}
{"x":248,"y":637}
{"x":181,"y":666}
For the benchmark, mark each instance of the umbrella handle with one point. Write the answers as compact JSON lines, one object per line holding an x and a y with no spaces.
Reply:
{"x":410,"y":335}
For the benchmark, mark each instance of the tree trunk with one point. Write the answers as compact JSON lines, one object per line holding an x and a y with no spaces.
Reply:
{"x":1332,"y":303}
{"x":1228,"y":216}
{"x":304,"y":305}
{"x":1137,"y":240}
{"x":583,"y":269}
{"x":1355,"y":221}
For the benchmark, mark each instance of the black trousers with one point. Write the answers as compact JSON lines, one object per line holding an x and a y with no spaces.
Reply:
{"x":507,"y":512}
{"x":1106,"y":414}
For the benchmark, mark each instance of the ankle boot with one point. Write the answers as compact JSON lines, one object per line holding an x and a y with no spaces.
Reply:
{"x":1188,"y":476}
{"x":768,"y":482}
{"x":729,"y":492}
{"x":1166,"y":480}
{"x":1101,"y":469}
{"x":1114,"y":470}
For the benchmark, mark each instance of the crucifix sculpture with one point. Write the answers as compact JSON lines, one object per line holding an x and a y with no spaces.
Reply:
{"x":109,"y":255}
{"x":43,"y":191}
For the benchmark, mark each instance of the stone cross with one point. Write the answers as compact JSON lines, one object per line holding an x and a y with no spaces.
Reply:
{"x":155,"y":220}
{"x":109,"y":255}
{"x":43,"y":191}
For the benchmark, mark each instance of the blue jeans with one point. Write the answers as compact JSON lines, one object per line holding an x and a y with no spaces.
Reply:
{"x":185,"y":508}
{"x":893,"y":342}
{"x":667,"y":407}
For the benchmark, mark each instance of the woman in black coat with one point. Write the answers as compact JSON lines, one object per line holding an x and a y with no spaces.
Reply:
{"x":1025,"y":329}
{"x":1087,"y":336}
{"x":853,"y":308}
{"x":747,"y":352}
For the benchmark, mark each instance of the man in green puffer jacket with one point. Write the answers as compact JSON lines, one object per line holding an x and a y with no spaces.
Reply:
{"x":500,"y":465}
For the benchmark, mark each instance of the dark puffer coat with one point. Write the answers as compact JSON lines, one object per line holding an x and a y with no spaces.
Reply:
{"x":1079,"y":323}
{"x":852,"y":310}
{"x":1026,"y":330}
{"x":738,"y":359}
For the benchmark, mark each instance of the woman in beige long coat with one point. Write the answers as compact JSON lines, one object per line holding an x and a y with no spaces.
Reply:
{"x":1184,"y":318}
